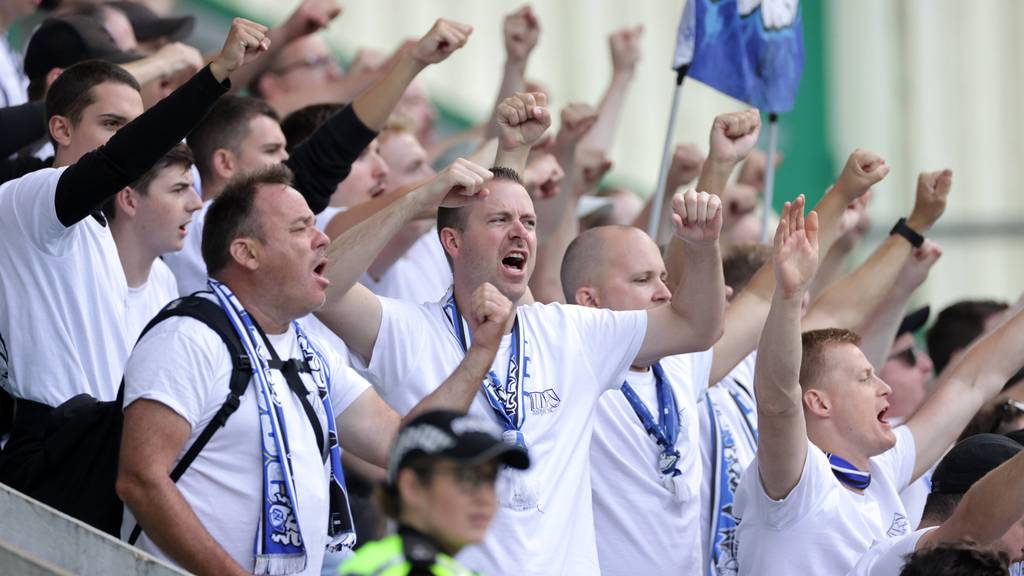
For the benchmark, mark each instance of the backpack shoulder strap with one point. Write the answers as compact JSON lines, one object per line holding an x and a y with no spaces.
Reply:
{"x":211,"y":314}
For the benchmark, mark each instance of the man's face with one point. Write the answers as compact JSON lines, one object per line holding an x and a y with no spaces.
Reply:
{"x":165,"y":211}
{"x":406,"y":160}
{"x":368,"y":178}
{"x":292,"y":257}
{"x":458,"y":502}
{"x":907,"y":370}
{"x":304,"y":64}
{"x":632,"y":274}
{"x":263,"y":146}
{"x":859,"y":399}
{"x":114,"y":105}
{"x":499,"y":242}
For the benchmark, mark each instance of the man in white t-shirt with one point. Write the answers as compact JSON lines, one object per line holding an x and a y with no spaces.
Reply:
{"x":551,"y":368}
{"x":976,"y":497}
{"x":829,"y":467}
{"x":277,"y":456}
{"x":148,"y":219}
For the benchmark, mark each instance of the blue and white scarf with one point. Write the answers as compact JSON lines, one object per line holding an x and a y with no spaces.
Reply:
{"x":280,"y":547}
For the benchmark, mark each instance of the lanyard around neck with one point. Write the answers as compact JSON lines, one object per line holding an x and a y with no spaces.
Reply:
{"x":848,"y":474}
{"x":506,"y":401}
{"x":664,"y":430}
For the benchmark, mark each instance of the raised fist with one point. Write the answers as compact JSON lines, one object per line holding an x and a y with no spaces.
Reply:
{"x":522,"y":119}
{"x":577,"y":119}
{"x":920,"y":263}
{"x":543,"y":177}
{"x":625,"y":49}
{"x":458,"y":184}
{"x":590,"y":166}
{"x":795,"y":250}
{"x":522,"y":29}
{"x":311,"y":16}
{"x":444,"y":38}
{"x":490,"y":311}
{"x":863,"y":170}
{"x":932,"y":194}
{"x":733,"y":136}
{"x":178,"y":57}
{"x":687,"y":161}
{"x":697,"y":217}
{"x":246,"y":40}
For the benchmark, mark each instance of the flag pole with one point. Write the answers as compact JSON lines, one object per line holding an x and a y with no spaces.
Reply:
{"x":769,"y":176}
{"x":666,"y":156}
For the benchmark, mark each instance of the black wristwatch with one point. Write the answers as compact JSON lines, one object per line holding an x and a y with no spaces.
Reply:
{"x":907,"y":232}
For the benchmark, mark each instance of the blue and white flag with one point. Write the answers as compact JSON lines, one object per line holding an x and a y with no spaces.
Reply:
{"x":752,"y":50}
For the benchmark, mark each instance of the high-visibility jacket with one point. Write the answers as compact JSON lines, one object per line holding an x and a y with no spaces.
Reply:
{"x":388,"y":557}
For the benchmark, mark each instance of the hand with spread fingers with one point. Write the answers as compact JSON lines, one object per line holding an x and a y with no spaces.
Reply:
{"x":697,"y":217}
{"x":795,"y":250}
{"x":245,"y":42}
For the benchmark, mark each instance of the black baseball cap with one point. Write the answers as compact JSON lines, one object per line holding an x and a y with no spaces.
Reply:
{"x":460,"y":437}
{"x":148,"y":25}
{"x":67,"y":40}
{"x":970,"y":460}
{"x":914,"y":321}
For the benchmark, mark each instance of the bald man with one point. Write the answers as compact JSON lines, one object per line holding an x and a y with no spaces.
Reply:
{"x":653,"y":525}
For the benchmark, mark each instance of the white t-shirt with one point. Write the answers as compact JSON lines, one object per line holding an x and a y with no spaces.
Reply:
{"x":915,"y":496}
{"x":147,"y":300}
{"x":641,"y":528}
{"x":184,"y":365}
{"x":187,"y":264}
{"x":822,"y":527}
{"x":572,"y":355}
{"x":422,"y":274}
{"x":728,"y":444}
{"x":887,"y":555}
{"x":63,"y":297}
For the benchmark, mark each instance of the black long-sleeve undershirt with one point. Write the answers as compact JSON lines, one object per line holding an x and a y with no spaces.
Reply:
{"x":326,"y":157}
{"x":135,"y":148}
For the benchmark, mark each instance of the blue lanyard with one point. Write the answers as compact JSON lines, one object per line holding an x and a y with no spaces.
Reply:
{"x":665,"y":431}
{"x":506,"y":401}
{"x":848,"y":474}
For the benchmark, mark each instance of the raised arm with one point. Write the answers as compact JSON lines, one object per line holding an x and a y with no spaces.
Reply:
{"x":133,"y":150}
{"x":782,"y":432}
{"x":987,"y":511}
{"x":851,"y":301}
{"x":522,"y":120}
{"x":687,"y":161}
{"x":368,"y":426}
{"x":624,"y":46}
{"x":692,"y":320}
{"x":522,"y":30}
{"x":963,"y":388}
{"x":351,"y":310}
{"x":746,"y":314}
{"x":879,"y":332}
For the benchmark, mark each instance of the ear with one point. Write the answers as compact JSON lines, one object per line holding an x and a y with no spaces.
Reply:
{"x":127,"y":201}
{"x":245,"y":252}
{"x":587,"y":296}
{"x":818,"y":403}
{"x":267,"y":85}
{"x":61,"y":130}
{"x":451,"y":241}
{"x":410,"y":490}
{"x":223,"y":163}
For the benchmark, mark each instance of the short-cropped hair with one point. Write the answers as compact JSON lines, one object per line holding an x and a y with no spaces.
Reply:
{"x":815,"y":344}
{"x":456,"y":217}
{"x":73,"y":91}
{"x":956,"y":559}
{"x":742,"y":262}
{"x":225,"y":126}
{"x":957,"y":326}
{"x":233,"y":214}
{"x":301,"y":124}
{"x":180,"y":155}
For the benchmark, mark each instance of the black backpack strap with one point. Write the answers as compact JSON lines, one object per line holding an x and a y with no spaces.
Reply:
{"x":210,"y":313}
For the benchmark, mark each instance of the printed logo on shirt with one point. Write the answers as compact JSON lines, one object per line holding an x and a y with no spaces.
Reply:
{"x":899,"y":525}
{"x":543,"y":402}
